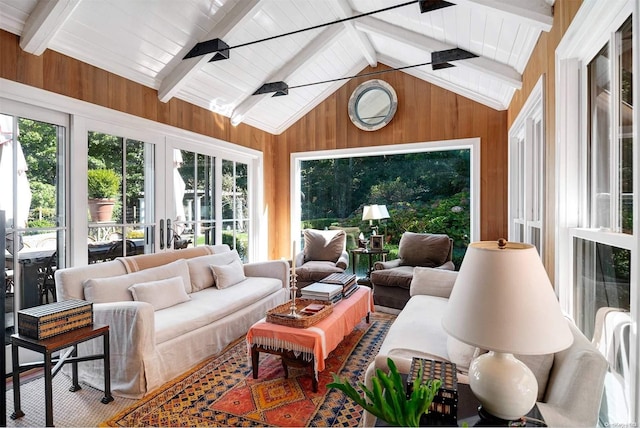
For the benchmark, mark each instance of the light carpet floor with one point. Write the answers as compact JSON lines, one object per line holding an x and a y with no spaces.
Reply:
{"x":70,"y":409}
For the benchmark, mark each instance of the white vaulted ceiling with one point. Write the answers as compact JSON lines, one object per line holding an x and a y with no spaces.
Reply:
{"x":146,"y":40}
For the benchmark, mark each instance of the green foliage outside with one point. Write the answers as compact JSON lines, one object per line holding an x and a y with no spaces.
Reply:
{"x":103,"y":183}
{"x":423,"y":192}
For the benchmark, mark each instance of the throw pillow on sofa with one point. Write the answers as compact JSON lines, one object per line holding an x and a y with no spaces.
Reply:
{"x":160,"y":294}
{"x":432,"y":281}
{"x":116,"y":288}
{"x":228,"y":275}
{"x":200,"y":268}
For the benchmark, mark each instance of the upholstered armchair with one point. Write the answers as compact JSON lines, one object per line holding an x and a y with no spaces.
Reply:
{"x":392,"y":280}
{"x":324,"y":253}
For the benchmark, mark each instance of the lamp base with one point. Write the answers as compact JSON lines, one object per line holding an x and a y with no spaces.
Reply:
{"x":504,"y":385}
{"x":489,"y":420}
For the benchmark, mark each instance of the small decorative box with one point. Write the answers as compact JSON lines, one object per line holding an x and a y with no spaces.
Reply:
{"x":444,"y":407}
{"x":42,"y":322}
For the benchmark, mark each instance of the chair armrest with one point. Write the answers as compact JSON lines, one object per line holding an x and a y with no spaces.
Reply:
{"x":278,"y":269}
{"x":343,"y":260}
{"x":386,"y":265}
{"x":447,"y":266}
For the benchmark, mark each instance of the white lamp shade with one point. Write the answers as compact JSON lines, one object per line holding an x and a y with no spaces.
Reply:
{"x":503,"y":301}
{"x":374,"y":212}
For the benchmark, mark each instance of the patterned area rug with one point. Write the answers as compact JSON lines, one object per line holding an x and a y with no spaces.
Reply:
{"x":222,"y":391}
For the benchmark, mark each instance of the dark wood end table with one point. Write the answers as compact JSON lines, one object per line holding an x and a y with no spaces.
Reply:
{"x":355,"y":253}
{"x":47,"y":347}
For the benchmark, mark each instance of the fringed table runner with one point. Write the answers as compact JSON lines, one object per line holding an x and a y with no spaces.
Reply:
{"x":318,"y":340}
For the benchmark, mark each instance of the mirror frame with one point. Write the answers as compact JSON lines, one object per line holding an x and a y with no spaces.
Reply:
{"x":356,"y":96}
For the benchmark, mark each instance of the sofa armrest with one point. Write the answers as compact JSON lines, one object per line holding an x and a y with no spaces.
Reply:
{"x":131,"y":344}
{"x":386,"y":265}
{"x":575,"y":385}
{"x":278,"y":269}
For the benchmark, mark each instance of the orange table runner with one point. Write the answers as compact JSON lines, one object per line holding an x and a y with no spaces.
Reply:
{"x":319,"y":339}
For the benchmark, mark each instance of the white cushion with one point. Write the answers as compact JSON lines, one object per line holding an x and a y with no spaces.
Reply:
{"x":432,"y":282}
{"x":161,"y":294}
{"x":228,"y":275}
{"x":200,"y":268}
{"x":116,"y":288}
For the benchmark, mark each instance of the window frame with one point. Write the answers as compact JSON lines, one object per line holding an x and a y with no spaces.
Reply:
{"x":526,"y":199}
{"x":471,"y":144}
{"x":594,"y":25}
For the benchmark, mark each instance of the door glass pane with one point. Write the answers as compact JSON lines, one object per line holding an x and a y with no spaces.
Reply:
{"x":602,"y":279}
{"x":600,"y":134}
{"x":235,"y":207}
{"x":625,"y":77}
{"x":197,"y":202}
{"x":121,"y":197}
{"x":32,"y":196}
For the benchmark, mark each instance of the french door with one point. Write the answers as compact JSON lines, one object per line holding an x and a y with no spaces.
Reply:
{"x":208,"y":195}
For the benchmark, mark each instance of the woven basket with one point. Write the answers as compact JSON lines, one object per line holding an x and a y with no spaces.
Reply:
{"x":278,"y":315}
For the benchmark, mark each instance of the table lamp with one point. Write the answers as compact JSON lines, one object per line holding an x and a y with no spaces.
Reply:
{"x":503,"y":301}
{"x":374,"y":212}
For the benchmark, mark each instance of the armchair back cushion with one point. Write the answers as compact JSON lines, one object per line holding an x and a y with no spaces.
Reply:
{"x":424,"y":249}
{"x":324,"y":245}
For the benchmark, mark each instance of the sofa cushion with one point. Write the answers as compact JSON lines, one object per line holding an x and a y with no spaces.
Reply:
{"x":116,"y":288}
{"x":423,"y":249}
{"x":433,"y":282}
{"x":200,"y":268}
{"x":210,"y":305}
{"x":396,"y":277}
{"x":227,"y":275}
{"x":160,"y":294}
{"x":324,"y":245}
{"x":316,"y":270}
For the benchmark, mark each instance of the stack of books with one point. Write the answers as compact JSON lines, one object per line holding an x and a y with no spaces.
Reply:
{"x":346,"y":280}
{"x":322,"y":291}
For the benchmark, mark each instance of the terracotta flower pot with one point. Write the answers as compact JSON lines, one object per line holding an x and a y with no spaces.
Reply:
{"x":101,"y":210}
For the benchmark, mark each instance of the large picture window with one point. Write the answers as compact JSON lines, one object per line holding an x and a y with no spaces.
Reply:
{"x":425,"y":188}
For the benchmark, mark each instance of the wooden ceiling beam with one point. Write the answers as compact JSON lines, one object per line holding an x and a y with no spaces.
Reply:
{"x":535,"y":13}
{"x":183,"y":70}
{"x":502,"y":72}
{"x":44,"y":22}
{"x":343,"y":10}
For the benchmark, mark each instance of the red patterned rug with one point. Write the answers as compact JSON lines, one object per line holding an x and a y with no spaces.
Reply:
{"x":222,"y":391}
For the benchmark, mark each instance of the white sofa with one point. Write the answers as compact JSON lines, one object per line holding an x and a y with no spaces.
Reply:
{"x":153,"y":340}
{"x":570,"y":382}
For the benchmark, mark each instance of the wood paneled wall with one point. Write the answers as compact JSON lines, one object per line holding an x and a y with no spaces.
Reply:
{"x":542,"y":62}
{"x":425,"y":113}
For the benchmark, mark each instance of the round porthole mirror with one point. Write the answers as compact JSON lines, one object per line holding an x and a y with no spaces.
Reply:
{"x":372,"y":105}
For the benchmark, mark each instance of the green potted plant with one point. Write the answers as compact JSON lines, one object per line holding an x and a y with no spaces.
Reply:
{"x":388,"y":399}
{"x":103,"y":186}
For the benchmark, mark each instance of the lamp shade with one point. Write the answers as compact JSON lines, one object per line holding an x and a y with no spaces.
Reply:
{"x":374,"y":212}
{"x":503,"y":301}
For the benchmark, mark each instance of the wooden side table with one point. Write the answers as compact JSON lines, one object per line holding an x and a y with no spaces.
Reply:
{"x":47,"y":347}
{"x":355,"y":253}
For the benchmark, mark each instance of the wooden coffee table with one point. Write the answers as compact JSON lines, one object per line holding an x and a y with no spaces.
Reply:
{"x":309,"y":346}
